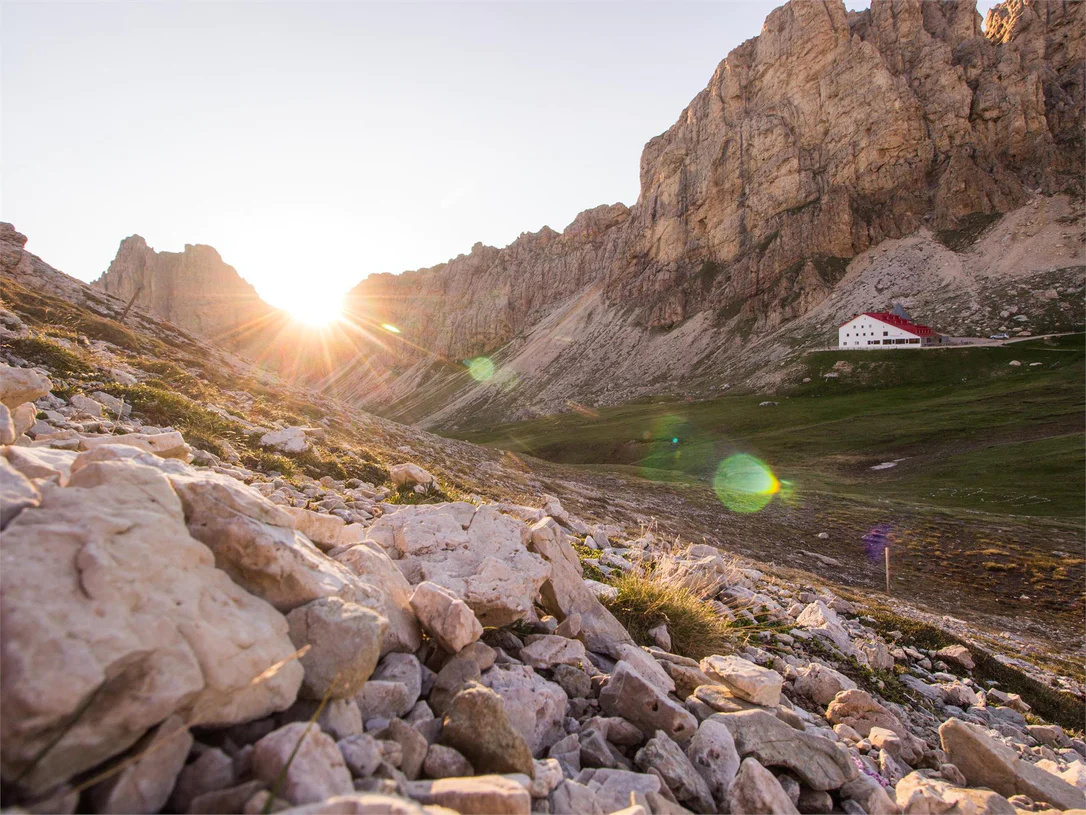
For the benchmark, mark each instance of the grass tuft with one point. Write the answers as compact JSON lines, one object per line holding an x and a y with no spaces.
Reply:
{"x":643,"y":602}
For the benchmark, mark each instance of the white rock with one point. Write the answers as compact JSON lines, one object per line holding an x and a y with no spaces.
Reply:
{"x":344,"y":642}
{"x":745,"y":679}
{"x":756,"y":791}
{"x":548,"y":650}
{"x":316,"y":767}
{"x":713,"y":754}
{"x":18,"y":385}
{"x":820,"y":683}
{"x":322,"y":529}
{"x":23,"y":418}
{"x":446,"y":618}
{"x":16,"y":493}
{"x":145,"y":784}
{"x":391,"y":591}
{"x":165,"y":445}
{"x":84,"y":404}
{"x":475,"y":552}
{"x":102,"y":585}
{"x":535,"y":706}
{"x":7,"y":426}
{"x":409,"y":475}
{"x":42,"y":462}
{"x":287,"y":440}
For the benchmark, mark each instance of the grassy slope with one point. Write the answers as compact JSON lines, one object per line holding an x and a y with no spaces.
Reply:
{"x":975,"y":433}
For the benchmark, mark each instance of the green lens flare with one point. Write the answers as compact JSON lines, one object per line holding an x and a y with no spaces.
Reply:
{"x":480,"y":368}
{"x":745,"y":484}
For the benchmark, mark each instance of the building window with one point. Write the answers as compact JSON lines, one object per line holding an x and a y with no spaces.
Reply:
{"x":886,"y":333}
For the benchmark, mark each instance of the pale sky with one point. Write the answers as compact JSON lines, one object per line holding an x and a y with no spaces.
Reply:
{"x":313,"y":143}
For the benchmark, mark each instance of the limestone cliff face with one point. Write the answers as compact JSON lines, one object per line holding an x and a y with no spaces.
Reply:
{"x":194,"y":289}
{"x":826,"y":134}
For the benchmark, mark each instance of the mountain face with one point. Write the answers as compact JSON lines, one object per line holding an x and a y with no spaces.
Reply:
{"x":830,"y":134}
{"x":194,"y":289}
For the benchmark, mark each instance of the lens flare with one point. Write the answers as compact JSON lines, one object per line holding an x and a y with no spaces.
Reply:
{"x":390,"y":328}
{"x":745,"y":484}
{"x":878,"y":538}
{"x":480,"y":368}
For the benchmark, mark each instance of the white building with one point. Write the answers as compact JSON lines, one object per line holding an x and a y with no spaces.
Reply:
{"x":885,"y":328}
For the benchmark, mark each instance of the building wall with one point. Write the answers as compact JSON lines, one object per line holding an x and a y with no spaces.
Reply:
{"x":867,"y":332}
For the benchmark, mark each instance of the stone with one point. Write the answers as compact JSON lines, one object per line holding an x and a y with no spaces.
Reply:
{"x":536,"y":706}
{"x":549,"y":650}
{"x":212,"y":770}
{"x":19,"y":385}
{"x":316,"y":767}
{"x":361,"y":754}
{"x":475,"y":552}
{"x":86,"y":405}
{"x":42,"y":462}
{"x":445,"y":617}
{"x":756,"y":792}
{"x":231,"y":799}
{"x":443,"y":761}
{"x":144,"y":785}
{"x":822,"y":620}
{"x":164,"y":445}
{"x":958,"y":654}
{"x":917,"y":795}
{"x":629,"y":695}
{"x":664,"y":757}
{"x":713,"y":754}
{"x":413,"y":745}
{"x":613,"y":788}
{"x":565,"y":594}
{"x":821,"y":684}
{"x":661,"y":636}
{"x":391,"y":591}
{"x":322,"y":529}
{"x":7,"y":426}
{"x":484,"y":795}
{"x":409,"y":475}
{"x":111,"y":609}
{"x":866,"y":791}
{"x":574,"y":681}
{"x":381,"y":699}
{"x":23,"y":418}
{"x":646,"y":665}
{"x":16,"y":493}
{"x":344,"y":642}
{"x":358,"y":803}
{"x":287,"y":440}
{"x":478,"y":726}
{"x":572,"y":797}
{"x":745,"y":679}
{"x":818,"y":762}
{"x":861,"y":712}
{"x":986,"y":762}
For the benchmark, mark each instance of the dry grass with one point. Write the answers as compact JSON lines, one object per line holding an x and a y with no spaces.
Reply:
{"x":645,"y":600}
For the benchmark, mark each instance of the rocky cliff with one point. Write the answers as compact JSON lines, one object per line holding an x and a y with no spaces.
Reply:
{"x":194,"y":289}
{"x":829,"y":134}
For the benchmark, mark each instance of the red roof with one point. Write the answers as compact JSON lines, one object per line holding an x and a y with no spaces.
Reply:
{"x":896,"y":322}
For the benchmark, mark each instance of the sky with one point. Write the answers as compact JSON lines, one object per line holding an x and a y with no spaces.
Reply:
{"x":313,"y":144}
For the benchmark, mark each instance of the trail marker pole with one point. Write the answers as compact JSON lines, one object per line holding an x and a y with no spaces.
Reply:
{"x":887,"y":551}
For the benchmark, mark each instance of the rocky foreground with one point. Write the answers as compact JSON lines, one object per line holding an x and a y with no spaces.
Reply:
{"x":182,"y":633}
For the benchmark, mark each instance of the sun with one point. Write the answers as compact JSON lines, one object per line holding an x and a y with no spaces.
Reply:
{"x":316,"y":308}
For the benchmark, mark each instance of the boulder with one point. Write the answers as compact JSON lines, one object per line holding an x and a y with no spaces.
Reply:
{"x":478,"y":726}
{"x":42,"y":462}
{"x":409,"y":475}
{"x":919,"y":795}
{"x":115,"y":618}
{"x":322,"y":529}
{"x":745,"y":679}
{"x":23,"y":418}
{"x":445,"y":617}
{"x":570,"y":796}
{"x":565,"y":593}
{"x":821,"y":684}
{"x":957,"y":654}
{"x":629,"y":695}
{"x":213,"y":770}
{"x":16,"y":493}
{"x":84,"y":404}
{"x":550,"y":650}
{"x":756,"y":792}
{"x":358,"y":803}
{"x":713,"y":754}
{"x":165,"y":445}
{"x":475,"y":552}
{"x":482,"y":795}
{"x":986,"y":762}
{"x":822,"y":620}
{"x":144,"y":785}
{"x":344,"y":642}
{"x":536,"y":706}
{"x":18,"y":385}
{"x":818,"y":762}
{"x":613,"y":788}
{"x":7,"y":426}
{"x":361,"y":754}
{"x":390,"y":593}
{"x":287,"y":440}
{"x":870,"y":794}
{"x":443,"y":761}
{"x":861,"y":712}
{"x":664,"y":757}
{"x":301,"y":764}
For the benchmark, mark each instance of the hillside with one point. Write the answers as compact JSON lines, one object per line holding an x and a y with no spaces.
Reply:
{"x":840,"y":160}
{"x":224,"y":593}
